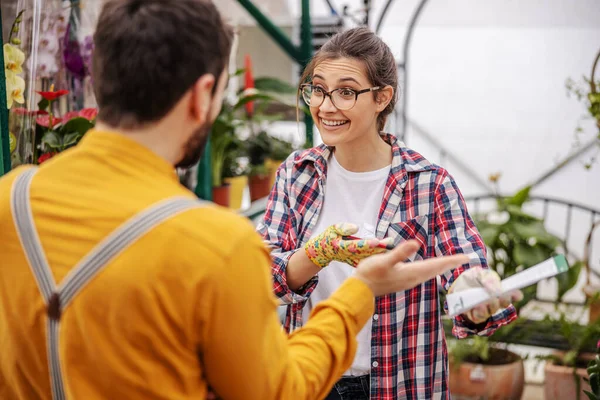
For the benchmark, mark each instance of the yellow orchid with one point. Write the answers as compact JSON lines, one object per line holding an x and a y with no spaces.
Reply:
{"x":15,"y":87}
{"x":13,"y":59}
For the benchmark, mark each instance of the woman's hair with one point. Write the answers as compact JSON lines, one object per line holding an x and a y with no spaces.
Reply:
{"x":363,"y":45}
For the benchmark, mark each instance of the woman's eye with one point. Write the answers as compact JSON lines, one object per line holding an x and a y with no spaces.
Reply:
{"x":347,"y":92}
{"x":318,"y":89}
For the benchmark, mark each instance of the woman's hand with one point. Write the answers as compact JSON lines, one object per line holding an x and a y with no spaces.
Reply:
{"x":337,"y":244}
{"x":489,"y":280}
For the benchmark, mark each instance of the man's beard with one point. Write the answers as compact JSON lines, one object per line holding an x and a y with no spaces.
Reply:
{"x":194,"y":148}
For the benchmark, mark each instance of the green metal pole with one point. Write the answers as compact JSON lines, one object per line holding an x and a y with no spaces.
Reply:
{"x":272,"y":30}
{"x":306,"y":50}
{"x":204,"y":181}
{"x":4,"y":140}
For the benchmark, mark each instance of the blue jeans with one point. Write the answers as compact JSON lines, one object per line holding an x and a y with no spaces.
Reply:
{"x":351,"y":388}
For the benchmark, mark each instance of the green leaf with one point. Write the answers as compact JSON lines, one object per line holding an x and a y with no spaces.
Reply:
{"x":516,"y":213}
{"x":238,"y":72}
{"x":52,"y":139}
{"x":269,"y":84}
{"x":77,"y":125}
{"x":568,"y":279}
{"x":528,"y":256}
{"x":520,"y":197}
{"x":535,"y":229}
{"x":489,"y":232}
{"x":43,"y":104}
{"x":71,"y":138}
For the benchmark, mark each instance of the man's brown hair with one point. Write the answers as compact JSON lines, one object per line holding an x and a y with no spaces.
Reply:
{"x":148,"y":53}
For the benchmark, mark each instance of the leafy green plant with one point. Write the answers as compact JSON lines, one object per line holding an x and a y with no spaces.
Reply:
{"x":280,"y":149}
{"x":258,"y":149}
{"x":226,"y":147}
{"x":517,"y":240}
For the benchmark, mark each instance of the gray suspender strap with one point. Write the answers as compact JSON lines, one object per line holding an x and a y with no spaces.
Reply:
{"x":58,"y":297}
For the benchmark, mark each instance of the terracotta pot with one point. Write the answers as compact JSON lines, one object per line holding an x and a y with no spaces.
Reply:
{"x":221,"y":195}
{"x":490,"y":382}
{"x":560,"y":383}
{"x":260,"y":186}
{"x":236,"y":191}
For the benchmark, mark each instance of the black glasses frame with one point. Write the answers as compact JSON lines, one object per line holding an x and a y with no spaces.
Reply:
{"x":329,"y":93}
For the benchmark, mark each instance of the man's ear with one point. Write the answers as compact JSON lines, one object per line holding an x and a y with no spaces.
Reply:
{"x":201,"y":97}
{"x":384,"y":96}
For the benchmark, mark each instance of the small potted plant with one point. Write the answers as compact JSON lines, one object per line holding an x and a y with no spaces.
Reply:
{"x":258,"y":148}
{"x":222,"y":137}
{"x":235,"y":173}
{"x":482,"y":369}
{"x":280,"y":150}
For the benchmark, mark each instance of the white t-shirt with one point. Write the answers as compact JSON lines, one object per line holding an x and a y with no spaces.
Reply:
{"x":353,"y":197}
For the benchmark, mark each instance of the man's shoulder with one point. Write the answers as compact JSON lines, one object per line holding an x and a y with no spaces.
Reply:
{"x":215,"y":229}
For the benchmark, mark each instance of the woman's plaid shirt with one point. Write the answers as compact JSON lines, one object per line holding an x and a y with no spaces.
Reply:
{"x":421,"y":200}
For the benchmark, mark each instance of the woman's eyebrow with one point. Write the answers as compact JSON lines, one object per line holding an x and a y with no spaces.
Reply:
{"x":341,"y":80}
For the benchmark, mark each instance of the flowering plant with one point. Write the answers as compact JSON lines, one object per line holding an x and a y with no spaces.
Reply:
{"x":13,"y":66}
{"x":60,"y":133}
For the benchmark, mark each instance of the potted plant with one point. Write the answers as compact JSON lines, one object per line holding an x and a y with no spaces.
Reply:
{"x":565,"y":371}
{"x":222,"y":137}
{"x":258,"y":148}
{"x":280,"y":150}
{"x":481,"y":369}
{"x":235,"y":173}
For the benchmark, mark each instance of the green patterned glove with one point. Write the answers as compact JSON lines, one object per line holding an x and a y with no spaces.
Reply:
{"x":334,"y":245}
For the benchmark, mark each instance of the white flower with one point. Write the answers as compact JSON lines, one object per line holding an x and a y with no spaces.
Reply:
{"x":15,"y":87}
{"x":46,"y":65}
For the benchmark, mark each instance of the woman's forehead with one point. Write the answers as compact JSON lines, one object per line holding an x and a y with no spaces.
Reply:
{"x":340,"y":70}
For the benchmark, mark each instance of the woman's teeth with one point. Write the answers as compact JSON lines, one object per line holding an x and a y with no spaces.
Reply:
{"x":333,"y":123}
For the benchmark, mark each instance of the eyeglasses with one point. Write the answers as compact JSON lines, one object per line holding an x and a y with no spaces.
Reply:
{"x":342,"y":98}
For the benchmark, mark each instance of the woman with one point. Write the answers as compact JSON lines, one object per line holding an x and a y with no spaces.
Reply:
{"x":363,"y":183}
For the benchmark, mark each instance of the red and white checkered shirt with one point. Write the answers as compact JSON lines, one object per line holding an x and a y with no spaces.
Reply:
{"x":421,"y":201}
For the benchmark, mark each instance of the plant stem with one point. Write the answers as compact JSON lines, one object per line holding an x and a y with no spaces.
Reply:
{"x":14,"y":24}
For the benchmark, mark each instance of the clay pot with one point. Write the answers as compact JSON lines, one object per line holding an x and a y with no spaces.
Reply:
{"x":560,"y":383}
{"x":260,"y":186}
{"x":221,"y":195}
{"x":504,"y":381}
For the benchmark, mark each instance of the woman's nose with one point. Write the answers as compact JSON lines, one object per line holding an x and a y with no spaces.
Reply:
{"x":327,"y":105}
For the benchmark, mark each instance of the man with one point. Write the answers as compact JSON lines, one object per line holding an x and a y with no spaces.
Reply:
{"x":116,"y":282}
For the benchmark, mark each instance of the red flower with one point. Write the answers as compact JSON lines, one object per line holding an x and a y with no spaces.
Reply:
{"x":53,"y":95}
{"x":248,"y":84}
{"x":88,"y":113}
{"x":46,"y":156}
{"x":44,"y":121}
{"x":69,"y":116}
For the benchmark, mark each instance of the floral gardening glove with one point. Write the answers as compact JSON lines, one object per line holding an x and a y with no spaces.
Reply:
{"x":489,"y":280}
{"x":334,"y":244}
